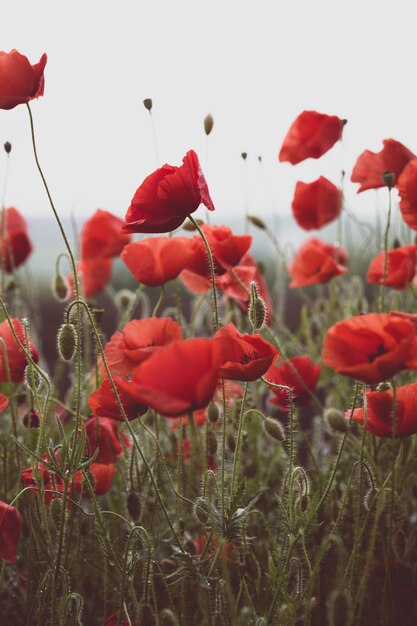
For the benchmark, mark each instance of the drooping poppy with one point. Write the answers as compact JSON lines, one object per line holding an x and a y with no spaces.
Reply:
{"x":104,"y":433}
{"x":316,"y":204}
{"x":370,"y":166}
{"x":20,"y":81}
{"x":167,"y":197}
{"x":311,"y":135}
{"x":103,"y":401}
{"x":316,"y":262}
{"x":16,"y":246}
{"x":407,"y":189}
{"x":380,"y":417}
{"x":243,"y":357}
{"x":15,"y":359}
{"x":101,"y":236}
{"x":10,"y":527}
{"x":371,"y":347}
{"x":138,"y":341}
{"x":180,"y":378}
{"x":155,"y":261}
{"x":399,"y":266}
{"x":300,"y":374}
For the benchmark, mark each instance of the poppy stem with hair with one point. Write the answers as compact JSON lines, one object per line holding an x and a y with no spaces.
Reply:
{"x":236,"y":460}
{"x":384,"y":278}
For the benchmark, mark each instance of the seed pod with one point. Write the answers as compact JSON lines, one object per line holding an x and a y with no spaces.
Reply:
{"x":213,"y":412}
{"x":256,"y":221}
{"x":244,"y":155}
{"x":147,"y":103}
{"x":211,"y":442}
{"x":60,"y":287}
{"x":134,"y":507}
{"x":67,"y":341}
{"x":274,"y":429}
{"x":208,"y":124}
{"x":8,"y":147}
{"x":336,"y":420}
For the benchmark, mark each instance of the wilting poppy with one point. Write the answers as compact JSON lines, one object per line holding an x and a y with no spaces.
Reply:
{"x":316,"y":204}
{"x":300,"y":374}
{"x":371,"y":347}
{"x":167,"y":197}
{"x":138,"y":341}
{"x":101,"y":236}
{"x":400,"y":267}
{"x":316,"y":262}
{"x":311,"y":135}
{"x":15,"y":359}
{"x":243,"y":357}
{"x":155,"y":261}
{"x":381,"y":420}
{"x":407,"y":189}
{"x":10,"y":527}
{"x":20,"y":81}
{"x":104,"y":433}
{"x":16,"y":247}
{"x":180,"y":378}
{"x":103,"y":401}
{"x":370,"y":166}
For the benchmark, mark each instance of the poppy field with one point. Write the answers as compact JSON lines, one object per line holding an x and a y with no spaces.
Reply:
{"x":213,"y":459}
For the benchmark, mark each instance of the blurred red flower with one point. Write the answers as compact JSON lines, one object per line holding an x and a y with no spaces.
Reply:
{"x":300,"y":374}
{"x":316,"y":262}
{"x":10,"y":527}
{"x":155,"y":261}
{"x":103,"y":402}
{"x":316,"y":204}
{"x":243,"y":357}
{"x":20,"y":81}
{"x":101,"y":236}
{"x":15,"y":359}
{"x":94,"y":275}
{"x":400,"y":267}
{"x":311,"y":135}
{"x":104,"y":433}
{"x":370,"y":166}
{"x":180,"y":378}
{"x":102,"y":477}
{"x":407,"y":189}
{"x":16,"y":247}
{"x":167,"y":197}
{"x":380,"y":412}
{"x":371,"y":347}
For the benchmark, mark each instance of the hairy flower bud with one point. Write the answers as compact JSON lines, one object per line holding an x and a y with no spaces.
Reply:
{"x":67,"y":341}
{"x":60,"y":288}
{"x":257,"y":308}
{"x":336,"y":420}
{"x":32,"y":378}
{"x":147,"y":103}
{"x":244,"y":155}
{"x":208,"y":124}
{"x":201,"y":510}
{"x":189,"y":226}
{"x":274,"y":429}
{"x":213,"y":412}
{"x":256,"y":221}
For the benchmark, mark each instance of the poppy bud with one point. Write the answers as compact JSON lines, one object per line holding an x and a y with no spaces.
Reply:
{"x":97,"y":315}
{"x":67,"y":341}
{"x":32,"y":378}
{"x":384,"y":386}
{"x":213,"y":412}
{"x":201,"y":510}
{"x":274,"y":429}
{"x":60,"y":287}
{"x":31,"y":419}
{"x":211,"y":442}
{"x":189,"y":226}
{"x":388,"y":178}
{"x":244,"y":155}
{"x":123,"y":298}
{"x":257,"y":308}
{"x":8,"y":147}
{"x":133,"y":506}
{"x":336,"y":420}
{"x":256,"y":221}
{"x":147,"y":103}
{"x":208,"y":124}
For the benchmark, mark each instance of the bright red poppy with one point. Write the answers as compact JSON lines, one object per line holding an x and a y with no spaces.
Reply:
{"x":10,"y":527}
{"x":380,"y":412}
{"x":20,"y":81}
{"x":103,"y":402}
{"x":16,"y":359}
{"x":180,"y":378}
{"x":167,"y":197}
{"x":139,"y":340}
{"x":52,"y":483}
{"x":400,"y":267}
{"x":243,"y":357}
{"x":316,"y":204}
{"x":102,"y":477}
{"x":371,"y":347}
{"x":155,"y":261}
{"x":370,"y":166}
{"x":16,"y":247}
{"x":311,"y":135}
{"x":316,"y":262}
{"x":104,"y":433}
{"x":300,"y":374}
{"x":94,"y":275}
{"x":101,"y":236}
{"x":407,"y":189}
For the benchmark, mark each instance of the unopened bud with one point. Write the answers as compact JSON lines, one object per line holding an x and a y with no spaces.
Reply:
{"x":60,"y":287}
{"x":208,"y":124}
{"x":211,"y":442}
{"x":388,"y":178}
{"x":8,"y":147}
{"x":190,"y":227}
{"x":244,"y":155}
{"x":257,"y":308}
{"x":32,"y":378}
{"x":201,"y":510}
{"x":336,"y":420}
{"x":147,"y":103}
{"x":133,"y":506}
{"x":256,"y":221}
{"x":384,"y":386}
{"x":213,"y":412}
{"x":31,"y":419}
{"x":67,"y":341}
{"x":123,"y":298}
{"x":274,"y":429}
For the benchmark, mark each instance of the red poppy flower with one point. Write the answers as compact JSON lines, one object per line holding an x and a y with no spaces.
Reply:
{"x":243,"y":357}
{"x":20,"y":81}
{"x":370,"y":166}
{"x":371,"y":347}
{"x":301,"y":381}
{"x":167,"y":197}
{"x":199,"y":416}
{"x":380,"y":412}
{"x":316,"y":262}
{"x":311,"y":135}
{"x":16,"y":247}
{"x":138,"y":341}
{"x":316,"y":204}
{"x":52,"y":483}
{"x":155,"y":261}
{"x":113,"y":620}
{"x":103,"y":477}
{"x":16,"y":358}
{"x":400,"y":267}
{"x":94,"y":275}
{"x":180,"y":378}
{"x":103,"y":402}
{"x":101,"y":236}
{"x":10,"y":527}
{"x":407,"y":189}
{"x":103,"y":433}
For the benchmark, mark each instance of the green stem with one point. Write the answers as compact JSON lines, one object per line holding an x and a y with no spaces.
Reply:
{"x":236,"y":460}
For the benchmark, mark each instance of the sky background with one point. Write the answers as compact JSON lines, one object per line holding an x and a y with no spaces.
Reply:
{"x":253,"y":65}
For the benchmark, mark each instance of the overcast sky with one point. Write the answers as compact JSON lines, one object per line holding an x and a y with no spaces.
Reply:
{"x":253,"y":65}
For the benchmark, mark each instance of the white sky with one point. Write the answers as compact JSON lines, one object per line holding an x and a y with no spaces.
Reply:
{"x":254,"y":65}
